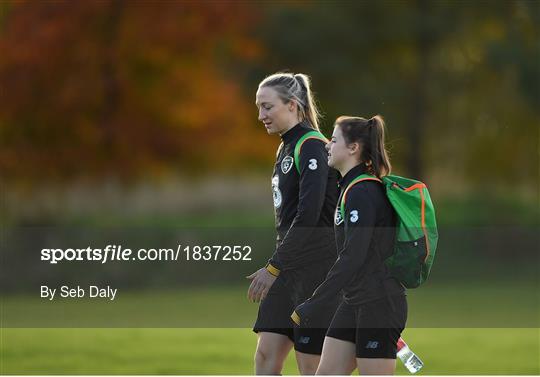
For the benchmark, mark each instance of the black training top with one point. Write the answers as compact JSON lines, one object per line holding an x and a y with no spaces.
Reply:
{"x":365,"y":237}
{"x":304,"y":202}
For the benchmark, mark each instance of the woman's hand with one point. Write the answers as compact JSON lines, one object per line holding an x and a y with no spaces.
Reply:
{"x":261,"y":281}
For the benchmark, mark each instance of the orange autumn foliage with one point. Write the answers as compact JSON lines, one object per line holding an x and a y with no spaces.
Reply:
{"x":99,"y":88}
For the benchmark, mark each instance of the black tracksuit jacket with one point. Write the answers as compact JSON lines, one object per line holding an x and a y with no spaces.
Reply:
{"x":365,"y":237}
{"x":304,"y":202}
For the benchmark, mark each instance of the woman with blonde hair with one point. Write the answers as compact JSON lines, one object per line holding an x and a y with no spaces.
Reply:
{"x":304,"y":190}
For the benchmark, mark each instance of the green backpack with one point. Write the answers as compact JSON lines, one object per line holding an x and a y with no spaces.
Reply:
{"x":416,"y":238}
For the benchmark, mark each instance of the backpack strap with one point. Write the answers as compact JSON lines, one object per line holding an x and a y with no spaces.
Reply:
{"x":308,"y":135}
{"x":360,"y":178}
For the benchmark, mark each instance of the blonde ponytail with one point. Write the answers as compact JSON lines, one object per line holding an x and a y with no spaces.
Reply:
{"x":296,"y":87}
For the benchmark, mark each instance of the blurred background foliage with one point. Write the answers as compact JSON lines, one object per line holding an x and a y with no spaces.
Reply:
{"x":121,"y":107}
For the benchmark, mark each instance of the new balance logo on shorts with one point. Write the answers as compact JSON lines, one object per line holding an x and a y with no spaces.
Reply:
{"x":372,"y":344}
{"x":304,"y":340}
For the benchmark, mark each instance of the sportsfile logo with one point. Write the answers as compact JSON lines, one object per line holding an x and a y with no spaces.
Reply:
{"x":112,"y":253}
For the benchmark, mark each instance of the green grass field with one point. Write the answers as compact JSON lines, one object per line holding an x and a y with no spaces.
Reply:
{"x":508,"y":304}
{"x":230,"y":351}
{"x":444,"y":329}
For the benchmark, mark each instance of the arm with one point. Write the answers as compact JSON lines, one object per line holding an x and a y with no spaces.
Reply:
{"x":312,"y":191}
{"x":360,"y":215}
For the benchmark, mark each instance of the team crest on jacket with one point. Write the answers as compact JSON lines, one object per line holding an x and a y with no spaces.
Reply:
{"x":286,"y":164}
{"x":337,"y":217}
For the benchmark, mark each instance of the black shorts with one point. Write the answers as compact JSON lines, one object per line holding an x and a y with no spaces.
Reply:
{"x":290,"y":289}
{"x":374,"y":327}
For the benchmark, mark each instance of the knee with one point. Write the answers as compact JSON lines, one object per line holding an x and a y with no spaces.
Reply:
{"x":260,"y":357}
{"x":307,"y":364}
{"x":329,"y":371}
{"x":308,"y":369}
{"x":267,"y":362}
{"x":323,"y":370}
{"x":327,"y":368}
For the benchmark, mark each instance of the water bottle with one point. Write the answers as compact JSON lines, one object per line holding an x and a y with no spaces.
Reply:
{"x":408,"y":357}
